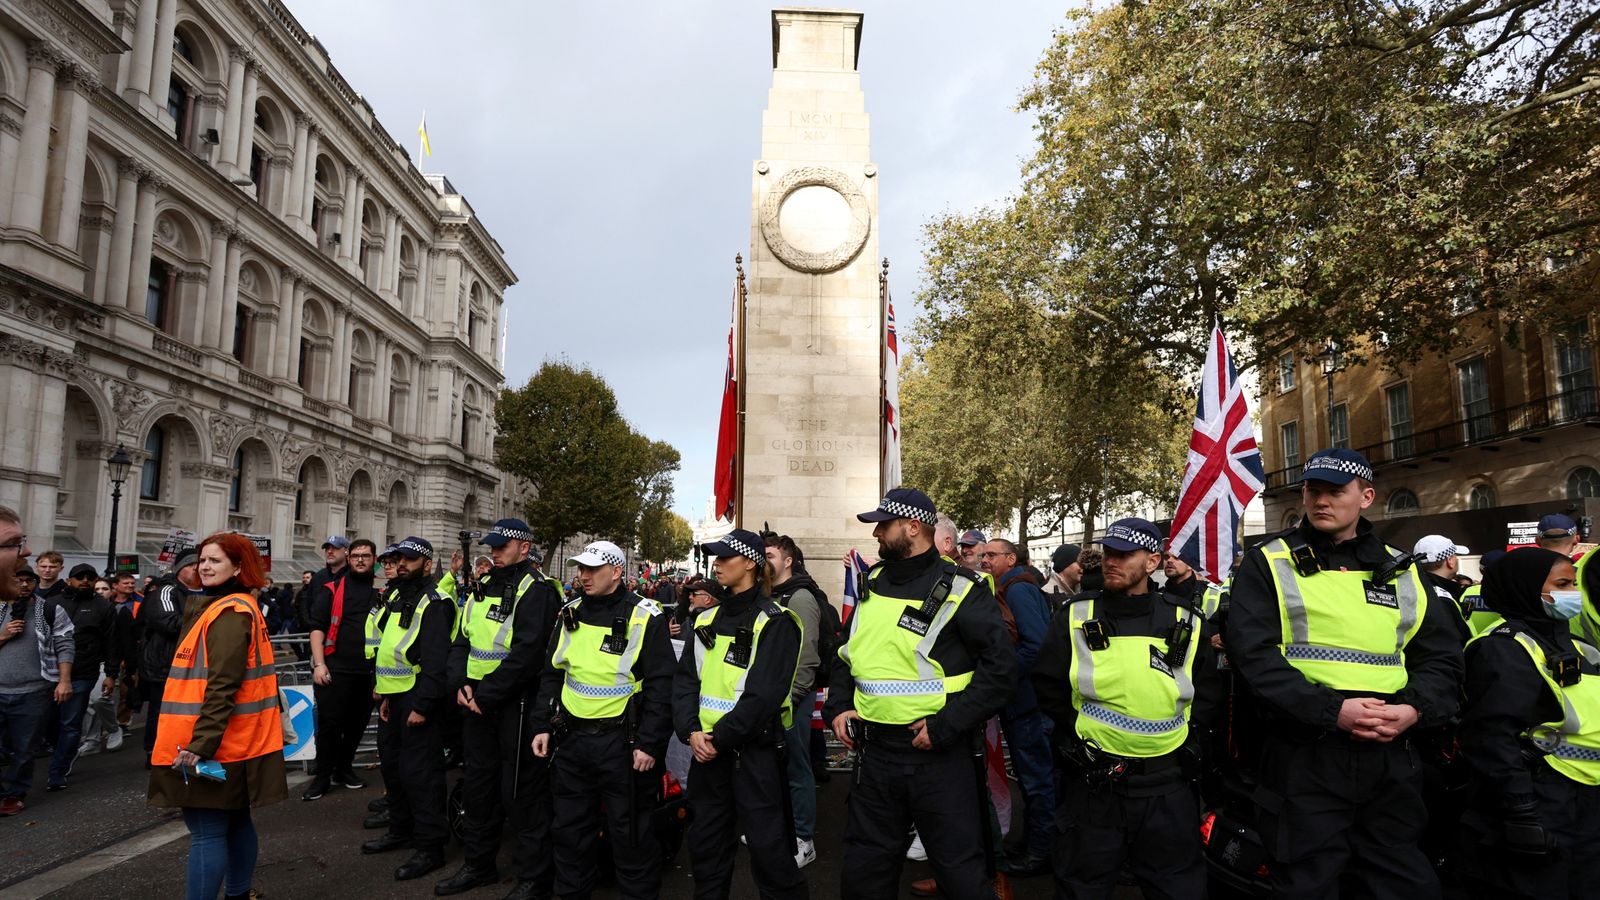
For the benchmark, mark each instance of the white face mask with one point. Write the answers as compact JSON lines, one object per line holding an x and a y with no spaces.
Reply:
{"x":1563,"y":605}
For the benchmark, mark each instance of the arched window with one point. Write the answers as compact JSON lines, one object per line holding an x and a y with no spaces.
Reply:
{"x":1583,"y":482}
{"x":235,"y":484}
{"x":157,"y":295}
{"x":1482,"y":496}
{"x":1401,"y":503}
{"x":155,"y":446}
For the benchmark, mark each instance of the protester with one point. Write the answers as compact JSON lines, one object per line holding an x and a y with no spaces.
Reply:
{"x":36,"y":654}
{"x":126,"y":653}
{"x":341,"y":672}
{"x":220,"y":707}
{"x":1066,"y":569}
{"x":969,"y":545}
{"x":93,"y":625}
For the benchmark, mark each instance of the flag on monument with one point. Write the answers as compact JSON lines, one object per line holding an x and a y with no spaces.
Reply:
{"x":855,"y":574}
{"x":1224,"y":472}
{"x":725,"y":485}
{"x":891,"y":398}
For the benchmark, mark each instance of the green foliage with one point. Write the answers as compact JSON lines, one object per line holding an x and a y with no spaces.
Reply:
{"x":664,"y":536}
{"x":591,"y":472}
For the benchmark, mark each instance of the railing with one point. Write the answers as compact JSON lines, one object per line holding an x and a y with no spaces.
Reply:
{"x":314,"y":405}
{"x":251,"y":380}
{"x":151,"y":513}
{"x":302,"y":531}
{"x":239,"y":523}
{"x":179,"y":351}
{"x":1575,"y":407}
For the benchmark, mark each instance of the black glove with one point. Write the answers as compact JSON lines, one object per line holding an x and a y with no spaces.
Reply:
{"x":1520,"y":826}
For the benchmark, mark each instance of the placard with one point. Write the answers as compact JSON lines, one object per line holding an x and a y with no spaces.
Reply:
{"x":301,"y":710}
{"x":177,"y":541}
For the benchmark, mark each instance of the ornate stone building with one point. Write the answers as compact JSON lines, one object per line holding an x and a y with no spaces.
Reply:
{"x":214,"y":255}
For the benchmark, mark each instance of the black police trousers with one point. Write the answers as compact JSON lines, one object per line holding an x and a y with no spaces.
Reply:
{"x":494,"y":789}
{"x":411,"y":758}
{"x":936,"y":790}
{"x":1342,"y":818}
{"x":594,"y":771}
{"x":1570,"y":813}
{"x":742,"y":793}
{"x":344,"y":707}
{"x":1152,"y":828}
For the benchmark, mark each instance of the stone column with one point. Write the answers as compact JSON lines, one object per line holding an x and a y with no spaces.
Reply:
{"x":291,"y":333}
{"x":128,"y":174}
{"x":449,"y":309}
{"x":144,"y":231}
{"x":102,"y":253}
{"x":211,"y":319}
{"x":33,"y":155}
{"x":294,"y":196}
{"x":339,"y":365}
{"x":265,"y":346}
{"x":230,"y":295}
{"x":309,"y":187}
{"x":228,"y":149}
{"x":278,"y":366}
{"x":380,"y":389}
{"x":386,"y":259}
{"x":75,"y":127}
{"x":144,"y":45}
{"x":247,"y":119}
{"x":161,"y":56}
{"x":352,"y":238}
{"x":421,"y":296}
{"x":10,"y":147}
{"x":348,"y":243}
{"x":442,"y":413}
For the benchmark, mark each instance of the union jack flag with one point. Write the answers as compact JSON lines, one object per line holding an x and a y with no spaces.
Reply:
{"x":1224,"y":472}
{"x":855,"y":576}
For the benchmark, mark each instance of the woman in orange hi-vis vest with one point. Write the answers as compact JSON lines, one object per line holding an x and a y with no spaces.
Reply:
{"x":221,"y":706}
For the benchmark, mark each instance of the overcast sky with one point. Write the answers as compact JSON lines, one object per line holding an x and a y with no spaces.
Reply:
{"x":608,"y":145}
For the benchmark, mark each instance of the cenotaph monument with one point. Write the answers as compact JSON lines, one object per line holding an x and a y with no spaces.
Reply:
{"x":812,"y":326}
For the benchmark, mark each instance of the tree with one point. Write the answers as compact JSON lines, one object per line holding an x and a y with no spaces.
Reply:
{"x":591,"y":472}
{"x":664,"y":536}
{"x":1310,"y":171}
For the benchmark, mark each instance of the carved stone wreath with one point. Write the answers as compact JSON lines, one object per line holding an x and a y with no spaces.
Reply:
{"x":827,"y":260}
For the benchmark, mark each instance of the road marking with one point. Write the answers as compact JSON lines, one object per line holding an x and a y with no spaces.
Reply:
{"x":84,"y":867}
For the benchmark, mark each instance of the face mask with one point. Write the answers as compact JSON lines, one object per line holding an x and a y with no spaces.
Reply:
{"x":1563,"y":605}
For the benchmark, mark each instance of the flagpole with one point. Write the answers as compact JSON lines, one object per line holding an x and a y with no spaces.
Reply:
{"x":738,"y":459}
{"x":883,"y":378}
{"x":420,"y":130}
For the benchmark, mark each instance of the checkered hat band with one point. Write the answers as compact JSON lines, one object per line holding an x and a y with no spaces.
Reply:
{"x":906,"y":511}
{"x":1346,"y":466}
{"x":607,"y":555}
{"x":1137,"y":538}
{"x":515,"y":534}
{"x":414,"y":547}
{"x":743,"y":549}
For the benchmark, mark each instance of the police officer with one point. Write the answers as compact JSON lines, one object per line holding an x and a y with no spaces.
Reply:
{"x":1129,"y":676}
{"x":1480,"y":617}
{"x":495,"y":664}
{"x":1346,"y":651}
{"x":605,"y":712}
{"x":1439,"y":559}
{"x":1530,"y":733}
{"x":926,"y":663}
{"x":408,"y":637}
{"x":731,"y":705}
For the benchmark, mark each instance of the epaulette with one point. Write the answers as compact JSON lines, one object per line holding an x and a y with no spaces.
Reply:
{"x":649,"y":606}
{"x":1181,"y":603}
{"x":1084,"y":595}
{"x":769,"y":606}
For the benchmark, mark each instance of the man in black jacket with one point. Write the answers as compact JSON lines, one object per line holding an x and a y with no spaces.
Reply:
{"x":93,"y":621}
{"x":921,"y":738}
{"x":495,"y":664}
{"x":1182,"y":580}
{"x":1346,"y":651}
{"x":341,"y":673}
{"x":161,"y":625}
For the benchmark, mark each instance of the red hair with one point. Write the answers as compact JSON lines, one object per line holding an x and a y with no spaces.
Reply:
{"x":241,"y":551}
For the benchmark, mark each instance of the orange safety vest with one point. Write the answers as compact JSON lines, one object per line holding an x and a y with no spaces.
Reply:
{"x":255,"y":726}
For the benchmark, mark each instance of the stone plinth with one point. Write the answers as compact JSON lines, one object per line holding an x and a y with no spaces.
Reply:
{"x":811,"y":445}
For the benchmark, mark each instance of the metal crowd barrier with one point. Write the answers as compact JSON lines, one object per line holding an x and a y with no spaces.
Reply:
{"x":292,"y":664}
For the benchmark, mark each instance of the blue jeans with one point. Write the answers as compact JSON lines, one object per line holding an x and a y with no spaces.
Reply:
{"x":70,"y":716}
{"x":1030,"y":757}
{"x":802,"y":780}
{"x":21,"y":717}
{"x":222,"y":842}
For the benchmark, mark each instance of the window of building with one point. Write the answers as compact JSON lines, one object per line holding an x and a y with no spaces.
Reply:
{"x":182,"y":49}
{"x":472,"y":332}
{"x":1289,"y":433}
{"x":1584,"y":482}
{"x":155,"y":446}
{"x":178,"y":109}
{"x":1575,"y":373}
{"x":243,"y":320}
{"x":1474,"y":379}
{"x":1482,"y":496}
{"x":302,"y":377}
{"x":316,"y":215}
{"x":465,"y":431}
{"x":1401,"y":503}
{"x":1339,"y":426}
{"x":1286,"y":372}
{"x":1398,"y":401}
{"x":235,"y":485}
{"x":155,"y":298}
{"x":258,"y":168}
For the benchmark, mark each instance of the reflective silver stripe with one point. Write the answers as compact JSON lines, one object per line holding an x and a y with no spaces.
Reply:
{"x":598,"y":691}
{"x":1132,"y":724}
{"x":895,"y":688}
{"x":404,"y":644}
{"x":1082,"y":655}
{"x":1405,"y":588}
{"x":239,"y":709}
{"x":1295,"y":605}
{"x":564,"y":639}
{"x":1083,"y":664}
{"x":947,"y":610}
{"x":502,"y":638}
{"x":1320,"y":653}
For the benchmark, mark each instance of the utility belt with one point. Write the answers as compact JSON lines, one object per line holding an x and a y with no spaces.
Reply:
{"x":1098,"y":767}
{"x":572,"y":725}
{"x":900,"y":737}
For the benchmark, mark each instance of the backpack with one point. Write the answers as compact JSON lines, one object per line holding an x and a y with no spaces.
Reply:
{"x":829,"y":641}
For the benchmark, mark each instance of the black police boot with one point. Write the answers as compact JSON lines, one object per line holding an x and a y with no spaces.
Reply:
{"x":390,"y":841}
{"x":378,"y":805}
{"x":376,"y":820}
{"x":421,"y":863}
{"x":525,"y":890}
{"x":315,"y":790}
{"x":466,"y":878}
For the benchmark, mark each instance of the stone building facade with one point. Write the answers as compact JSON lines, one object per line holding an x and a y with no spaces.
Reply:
{"x":212,"y":254}
{"x":1503,"y":428}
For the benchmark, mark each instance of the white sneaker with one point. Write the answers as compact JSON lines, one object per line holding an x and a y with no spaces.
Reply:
{"x":806,"y":854}
{"x":89,"y":748}
{"x":114,"y":740}
{"x":915,"y":851}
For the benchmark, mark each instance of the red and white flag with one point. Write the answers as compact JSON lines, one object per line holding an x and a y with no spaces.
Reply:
{"x":726,"y":483}
{"x":1224,"y":472}
{"x":891,"y":398}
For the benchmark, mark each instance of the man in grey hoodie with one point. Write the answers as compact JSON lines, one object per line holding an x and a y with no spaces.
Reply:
{"x":36,"y":653}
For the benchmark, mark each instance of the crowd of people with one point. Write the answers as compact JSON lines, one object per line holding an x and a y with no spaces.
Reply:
{"x":1380,"y":724}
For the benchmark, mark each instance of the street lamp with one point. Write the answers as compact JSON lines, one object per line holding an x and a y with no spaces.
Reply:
{"x":1330,"y":364}
{"x":119,"y":463}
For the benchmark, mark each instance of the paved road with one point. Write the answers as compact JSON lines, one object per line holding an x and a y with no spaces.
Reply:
{"x":308,"y":850}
